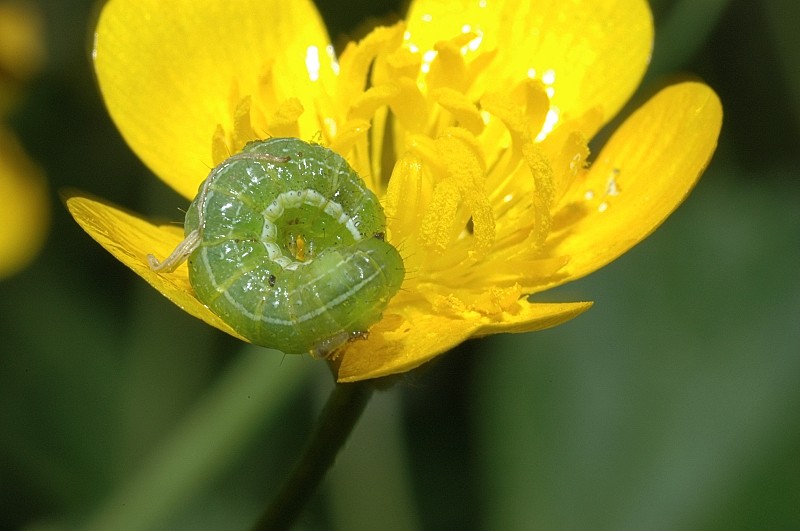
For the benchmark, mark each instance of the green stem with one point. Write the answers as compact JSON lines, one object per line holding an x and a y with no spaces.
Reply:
{"x":336,"y":422}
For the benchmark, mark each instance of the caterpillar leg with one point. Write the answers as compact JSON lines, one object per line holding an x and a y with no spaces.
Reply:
{"x":328,"y":348}
{"x":178,"y":256}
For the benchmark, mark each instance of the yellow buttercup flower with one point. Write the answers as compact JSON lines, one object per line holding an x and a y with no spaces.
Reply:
{"x":470,"y":120}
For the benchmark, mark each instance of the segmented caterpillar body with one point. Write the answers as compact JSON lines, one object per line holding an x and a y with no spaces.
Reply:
{"x":286,"y":245}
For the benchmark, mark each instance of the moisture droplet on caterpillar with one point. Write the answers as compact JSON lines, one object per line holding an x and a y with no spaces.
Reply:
{"x":286,"y":244}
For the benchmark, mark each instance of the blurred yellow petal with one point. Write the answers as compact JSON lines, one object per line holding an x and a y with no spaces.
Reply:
{"x":590,"y":53}
{"x":646,"y":170}
{"x":130,"y":239}
{"x":24,"y":206}
{"x":22,"y":48}
{"x":398,"y":344}
{"x":171,"y":72}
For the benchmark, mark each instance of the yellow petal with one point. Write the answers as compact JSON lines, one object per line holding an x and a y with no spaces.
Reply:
{"x":590,"y":53}
{"x":644,"y":172}
{"x":130,"y":239}
{"x":532,"y":317}
{"x":398,"y":344}
{"x":24,"y":206}
{"x":170,"y":72}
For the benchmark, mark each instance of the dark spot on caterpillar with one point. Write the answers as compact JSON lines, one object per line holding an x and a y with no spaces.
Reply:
{"x":380,"y":236}
{"x":271,"y":280}
{"x":470,"y":226}
{"x":295,"y":221}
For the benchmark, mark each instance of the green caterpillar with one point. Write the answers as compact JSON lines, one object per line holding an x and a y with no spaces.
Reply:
{"x":286,"y":244}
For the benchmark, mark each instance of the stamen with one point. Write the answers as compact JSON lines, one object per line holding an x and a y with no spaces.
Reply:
{"x":285,"y":120}
{"x":465,"y":112}
{"x":242,"y":128}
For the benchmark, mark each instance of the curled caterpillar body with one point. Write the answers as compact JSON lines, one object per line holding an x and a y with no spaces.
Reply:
{"x":285,"y":244}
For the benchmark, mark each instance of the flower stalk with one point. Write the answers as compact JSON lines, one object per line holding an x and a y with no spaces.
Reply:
{"x":336,"y":422}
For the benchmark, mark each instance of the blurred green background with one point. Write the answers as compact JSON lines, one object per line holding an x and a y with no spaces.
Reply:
{"x":672,"y":404}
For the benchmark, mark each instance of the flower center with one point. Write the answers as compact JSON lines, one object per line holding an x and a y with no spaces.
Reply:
{"x":470,"y":158}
